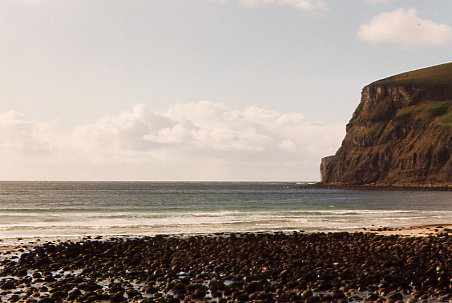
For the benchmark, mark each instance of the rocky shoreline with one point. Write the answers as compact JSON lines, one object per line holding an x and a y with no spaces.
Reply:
{"x":411,"y":186}
{"x":248,"y":267}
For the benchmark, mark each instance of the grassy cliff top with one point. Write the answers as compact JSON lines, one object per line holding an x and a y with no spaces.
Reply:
{"x":435,"y":103}
{"x":430,"y":76}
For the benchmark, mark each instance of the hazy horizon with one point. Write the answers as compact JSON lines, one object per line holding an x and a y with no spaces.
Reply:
{"x":199,"y":90}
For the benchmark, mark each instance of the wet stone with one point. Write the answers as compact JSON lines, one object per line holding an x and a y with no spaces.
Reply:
{"x":242,"y":267}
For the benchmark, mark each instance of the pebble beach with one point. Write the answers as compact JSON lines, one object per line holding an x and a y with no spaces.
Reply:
{"x":233,"y":267}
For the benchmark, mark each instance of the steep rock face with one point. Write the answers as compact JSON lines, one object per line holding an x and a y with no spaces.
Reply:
{"x":400,"y":133}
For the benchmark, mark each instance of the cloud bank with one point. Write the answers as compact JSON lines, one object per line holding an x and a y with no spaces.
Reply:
{"x":404,"y":27}
{"x":191,"y":141}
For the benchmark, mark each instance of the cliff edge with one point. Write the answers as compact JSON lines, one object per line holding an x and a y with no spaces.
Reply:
{"x":399,"y":135}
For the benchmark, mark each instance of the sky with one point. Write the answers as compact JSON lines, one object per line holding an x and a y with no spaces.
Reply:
{"x":184,"y":90}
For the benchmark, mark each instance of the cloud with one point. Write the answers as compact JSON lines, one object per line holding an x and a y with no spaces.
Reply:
{"x":22,"y":135}
{"x":189,"y":141}
{"x":309,"y":5}
{"x":124,"y":131}
{"x":404,"y":27}
{"x":208,"y":137}
{"x":204,"y":125}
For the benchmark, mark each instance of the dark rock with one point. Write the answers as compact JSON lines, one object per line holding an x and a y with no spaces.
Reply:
{"x":14,"y":298}
{"x":74,"y":294}
{"x":117,"y":297}
{"x":49,"y":278}
{"x":134,"y":294}
{"x":116,"y":288}
{"x":306,"y":294}
{"x":89,"y":286}
{"x":395,"y":296}
{"x":8,"y":284}
{"x":58,"y":295}
{"x":260,"y":267}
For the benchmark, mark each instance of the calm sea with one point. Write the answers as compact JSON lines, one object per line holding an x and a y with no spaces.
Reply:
{"x":49,"y":209}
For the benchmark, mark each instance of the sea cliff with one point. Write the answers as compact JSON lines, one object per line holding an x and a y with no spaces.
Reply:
{"x":399,"y":135}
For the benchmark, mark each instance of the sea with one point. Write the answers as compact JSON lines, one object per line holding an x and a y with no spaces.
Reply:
{"x":80,"y":209}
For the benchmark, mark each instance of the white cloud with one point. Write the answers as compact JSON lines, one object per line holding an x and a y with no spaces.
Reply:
{"x":207,"y":136}
{"x":204,"y":125}
{"x":22,"y":135}
{"x":309,"y":5}
{"x":190,"y":141}
{"x":404,"y":27}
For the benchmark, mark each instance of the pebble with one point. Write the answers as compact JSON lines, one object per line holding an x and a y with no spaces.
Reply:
{"x":333,"y":267}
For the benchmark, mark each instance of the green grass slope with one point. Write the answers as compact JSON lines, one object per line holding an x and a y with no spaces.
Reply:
{"x":431,"y":76}
{"x":439,"y":79}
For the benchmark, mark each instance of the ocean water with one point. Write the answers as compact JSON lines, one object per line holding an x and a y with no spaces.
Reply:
{"x":67,"y":209}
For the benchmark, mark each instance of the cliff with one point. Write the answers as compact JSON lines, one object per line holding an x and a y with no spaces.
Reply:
{"x":400,"y":134}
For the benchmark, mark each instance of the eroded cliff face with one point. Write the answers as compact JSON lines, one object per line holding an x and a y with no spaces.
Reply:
{"x":400,"y":134}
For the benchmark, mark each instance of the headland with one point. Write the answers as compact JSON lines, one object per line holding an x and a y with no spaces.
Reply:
{"x":400,"y":135}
